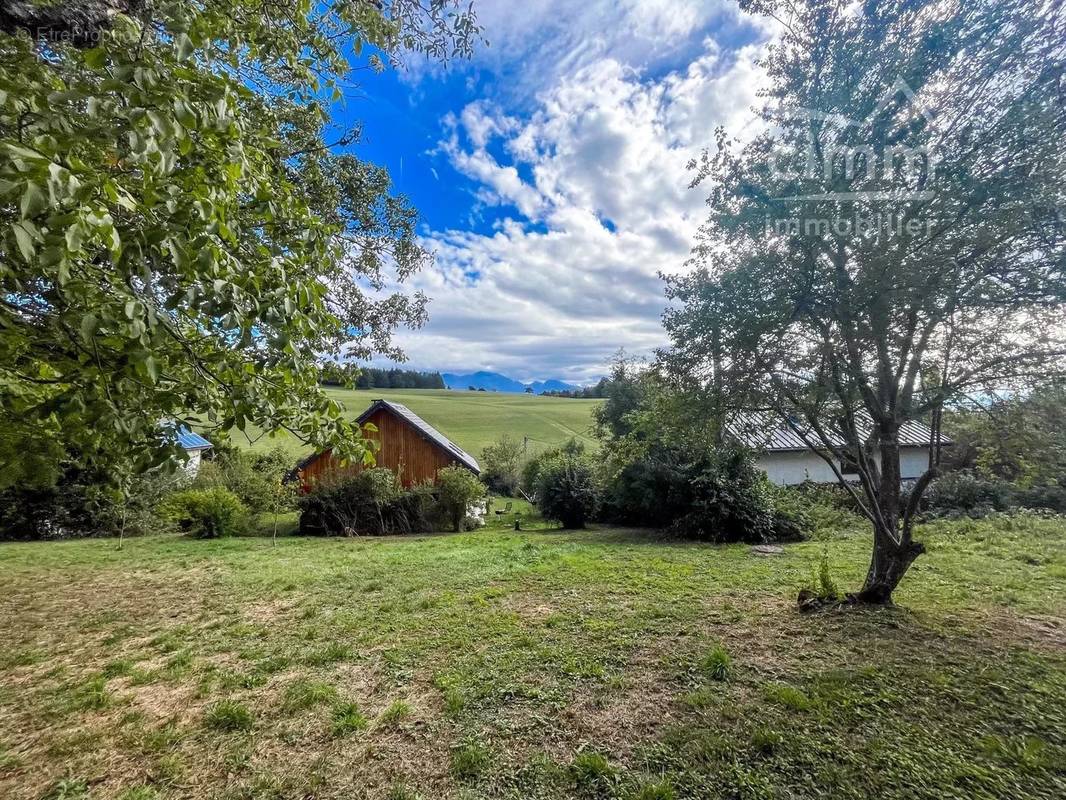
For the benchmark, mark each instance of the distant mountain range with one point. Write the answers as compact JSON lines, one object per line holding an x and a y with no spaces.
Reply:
{"x":495,"y":382}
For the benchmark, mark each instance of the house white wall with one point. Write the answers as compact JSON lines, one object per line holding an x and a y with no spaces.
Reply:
{"x":788,"y":468}
{"x":192,"y":465}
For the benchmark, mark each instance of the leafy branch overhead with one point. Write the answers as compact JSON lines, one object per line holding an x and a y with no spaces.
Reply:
{"x":179,"y":236}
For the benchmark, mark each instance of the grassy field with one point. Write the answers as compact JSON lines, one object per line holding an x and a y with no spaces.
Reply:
{"x":542,"y":664}
{"x":470,"y":419}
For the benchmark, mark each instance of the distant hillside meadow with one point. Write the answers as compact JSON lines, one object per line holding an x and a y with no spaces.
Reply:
{"x":470,"y":419}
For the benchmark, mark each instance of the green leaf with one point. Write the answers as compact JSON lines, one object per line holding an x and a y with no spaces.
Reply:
{"x":185,"y":46}
{"x":88,"y":326}
{"x":25,"y":241}
{"x":34,"y":200}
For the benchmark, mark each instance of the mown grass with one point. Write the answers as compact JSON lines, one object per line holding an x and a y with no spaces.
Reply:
{"x":470,"y":419}
{"x":542,"y":664}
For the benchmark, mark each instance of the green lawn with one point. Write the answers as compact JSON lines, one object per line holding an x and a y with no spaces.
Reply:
{"x":543,"y":664}
{"x":470,"y":419}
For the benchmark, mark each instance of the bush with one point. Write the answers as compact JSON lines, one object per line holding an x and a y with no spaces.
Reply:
{"x":206,"y":513}
{"x":531,"y":470}
{"x":501,"y":465}
{"x":254,"y":477}
{"x":566,"y":490}
{"x":370,"y":502}
{"x":968,"y":494}
{"x":719,"y":497}
{"x":459,"y":489}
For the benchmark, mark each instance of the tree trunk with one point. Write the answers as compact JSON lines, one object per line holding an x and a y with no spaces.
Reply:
{"x":888,"y":565}
{"x":894,"y":550}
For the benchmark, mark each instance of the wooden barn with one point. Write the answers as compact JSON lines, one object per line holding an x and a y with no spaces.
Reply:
{"x":410,"y":447}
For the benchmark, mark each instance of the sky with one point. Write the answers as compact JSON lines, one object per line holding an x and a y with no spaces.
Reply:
{"x":550,"y":173}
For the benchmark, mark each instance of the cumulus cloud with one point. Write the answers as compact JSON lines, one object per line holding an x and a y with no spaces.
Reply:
{"x":594,"y":181}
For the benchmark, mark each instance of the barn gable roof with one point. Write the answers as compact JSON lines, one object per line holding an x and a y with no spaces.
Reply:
{"x":425,"y":429}
{"x":763,"y":430}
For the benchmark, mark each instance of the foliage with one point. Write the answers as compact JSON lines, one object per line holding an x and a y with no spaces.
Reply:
{"x":357,"y":377}
{"x":802,"y":303}
{"x":501,"y":465}
{"x":966,"y":493}
{"x":179,"y":238}
{"x":1021,"y":439}
{"x":256,"y":478}
{"x":567,"y":490}
{"x":371,"y":502}
{"x":206,"y":513}
{"x":459,"y":489}
{"x":80,"y":503}
{"x":530,"y":475}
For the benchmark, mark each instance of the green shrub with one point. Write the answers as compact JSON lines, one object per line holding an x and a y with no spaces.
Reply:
{"x":206,"y":513}
{"x":566,"y":490}
{"x":718,"y":496}
{"x":370,"y":502}
{"x":968,"y":494}
{"x":501,"y":465}
{"x":458,"y":489}
{"x":253,"y":477}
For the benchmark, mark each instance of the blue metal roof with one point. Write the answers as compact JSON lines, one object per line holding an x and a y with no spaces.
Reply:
{"x":192,"y":441}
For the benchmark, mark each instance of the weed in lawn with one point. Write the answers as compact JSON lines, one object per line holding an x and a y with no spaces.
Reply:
{"x":591,"y":772}
{"x":347,"y":718}
{"x":139,"y":793}
{"x":469,"y":759}
{"x":400,"y":791}
{"x":397,"y":711}
{"x":9,"y":760}
{"x":656,"y":790}
{"x":330,"y":654}
{"x":766,"y":740}
{"x":228,"y":715}
{"x":788,"y":696}
{"x":303,"y":693}
{"x":716,"y":664}
{"x":67,"y":789}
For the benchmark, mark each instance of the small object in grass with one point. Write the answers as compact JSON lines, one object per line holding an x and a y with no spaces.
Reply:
{"x":518,"y":522}
{"x":767,"y":550}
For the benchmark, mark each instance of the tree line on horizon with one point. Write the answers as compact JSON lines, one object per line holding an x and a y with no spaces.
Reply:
{"x":352,"y":375}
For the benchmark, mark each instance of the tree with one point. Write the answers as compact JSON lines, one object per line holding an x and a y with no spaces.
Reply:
{"x":566,"y":489}
{"x":501,"y":465}
{"x":459,"y":489}
{"x":891,"y":241}
{"x":182,"y":235}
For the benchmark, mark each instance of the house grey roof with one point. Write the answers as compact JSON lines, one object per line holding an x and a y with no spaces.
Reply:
{"x":763,"y":430}
{"x":427,"y":430}
{"x":192,"y":441}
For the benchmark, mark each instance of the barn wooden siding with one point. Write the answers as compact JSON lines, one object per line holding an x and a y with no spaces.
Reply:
{"x":403,"y":450}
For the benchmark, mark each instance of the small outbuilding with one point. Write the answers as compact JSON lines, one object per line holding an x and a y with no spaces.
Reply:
{"x":787,"y":460}
{"x":409,"y":446}
{"x":194,"y":446}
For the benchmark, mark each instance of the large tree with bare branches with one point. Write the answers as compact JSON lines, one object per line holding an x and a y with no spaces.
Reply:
{"x":891,"y":241}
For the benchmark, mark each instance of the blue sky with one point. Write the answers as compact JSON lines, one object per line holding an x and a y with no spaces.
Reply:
{"x":549,"y":171}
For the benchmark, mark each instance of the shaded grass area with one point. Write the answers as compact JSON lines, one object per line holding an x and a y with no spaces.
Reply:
{"x":547,"y":664}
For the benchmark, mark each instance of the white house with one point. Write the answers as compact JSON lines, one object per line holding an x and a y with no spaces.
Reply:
{"x":194,"y":446}
{"x":787,"y":460}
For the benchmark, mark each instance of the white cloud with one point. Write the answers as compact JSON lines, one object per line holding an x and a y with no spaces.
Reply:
{"x":597,"y":171}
